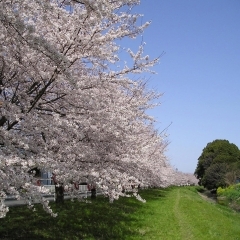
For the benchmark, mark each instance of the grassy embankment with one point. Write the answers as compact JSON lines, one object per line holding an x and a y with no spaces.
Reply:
{"x":174,"y":213}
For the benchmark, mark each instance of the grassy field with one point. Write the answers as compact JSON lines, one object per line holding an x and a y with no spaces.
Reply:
{"x":173,"y":213}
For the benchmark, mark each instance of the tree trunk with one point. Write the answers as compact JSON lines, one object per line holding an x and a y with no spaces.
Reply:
{"x":93,"y":192}
{"x":59,"y":191}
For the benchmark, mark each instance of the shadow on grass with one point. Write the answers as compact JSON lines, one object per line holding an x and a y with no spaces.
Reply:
{"x":77,"y":220}
{"x":154,"y":193}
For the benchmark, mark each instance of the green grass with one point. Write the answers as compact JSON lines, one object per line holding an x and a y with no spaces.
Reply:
{"x":180,"y":213}
{"x":173,"y":213}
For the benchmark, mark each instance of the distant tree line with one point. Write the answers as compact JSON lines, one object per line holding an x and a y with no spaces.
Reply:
{"x":218,"y":165}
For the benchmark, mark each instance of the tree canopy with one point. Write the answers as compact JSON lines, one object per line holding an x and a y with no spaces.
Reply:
{"x":68,"y":103}
{"x":217,"y":159}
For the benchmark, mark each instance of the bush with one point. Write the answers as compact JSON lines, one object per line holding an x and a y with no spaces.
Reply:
{"x":200,"y":189}
{"x":232,"y":192}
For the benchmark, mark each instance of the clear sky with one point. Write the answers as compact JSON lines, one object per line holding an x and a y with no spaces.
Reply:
{"x":199,"y":74}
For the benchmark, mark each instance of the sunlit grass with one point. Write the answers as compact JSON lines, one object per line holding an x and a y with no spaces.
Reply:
{"x":173,"y":213}
{"x":181,"y":213}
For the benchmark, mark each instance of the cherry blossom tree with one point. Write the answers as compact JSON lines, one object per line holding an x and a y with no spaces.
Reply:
{"x":183,"y":179}
{"x":66,"y":107}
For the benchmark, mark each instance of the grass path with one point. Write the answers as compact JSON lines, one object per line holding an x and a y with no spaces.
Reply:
{"x":181,"y":213}
{"x":185,"y":231}
{"x":168,"y":214}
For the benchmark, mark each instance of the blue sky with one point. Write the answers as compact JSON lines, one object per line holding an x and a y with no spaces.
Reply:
{"x":199,"y":74}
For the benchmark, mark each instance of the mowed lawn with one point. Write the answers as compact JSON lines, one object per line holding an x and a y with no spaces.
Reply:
{"x":173,"y":213}
{"x":181,"y":213}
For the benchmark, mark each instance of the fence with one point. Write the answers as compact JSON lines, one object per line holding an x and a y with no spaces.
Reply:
{"x":82,"y":189}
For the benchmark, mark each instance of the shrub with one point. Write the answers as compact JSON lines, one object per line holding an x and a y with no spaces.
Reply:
{"x":200,"y":189}
{"x":232,"y":192}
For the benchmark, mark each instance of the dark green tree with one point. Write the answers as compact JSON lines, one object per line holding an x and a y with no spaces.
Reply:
{"x":217,"y":159}
{"x":215,"y":176}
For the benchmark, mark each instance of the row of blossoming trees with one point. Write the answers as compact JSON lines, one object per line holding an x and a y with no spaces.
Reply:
{"x":66,"y":106}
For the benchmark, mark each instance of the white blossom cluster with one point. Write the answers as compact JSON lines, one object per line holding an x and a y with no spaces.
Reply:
{"x":65,"y":107}
{"x":184,"y":179}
